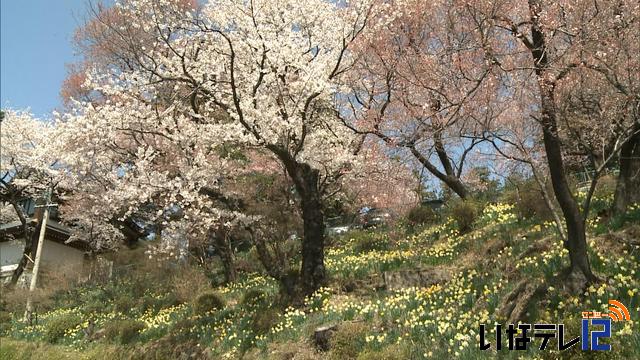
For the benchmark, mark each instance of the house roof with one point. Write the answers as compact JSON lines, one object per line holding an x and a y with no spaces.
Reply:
{"x":7,"y":270}
{"x":55,"y":232}
{"x":9,"y":226}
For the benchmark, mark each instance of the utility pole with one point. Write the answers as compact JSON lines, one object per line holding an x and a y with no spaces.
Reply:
{"x":36,"y":264}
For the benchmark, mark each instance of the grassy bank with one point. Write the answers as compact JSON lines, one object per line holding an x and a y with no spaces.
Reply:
{"x":155,"y":315}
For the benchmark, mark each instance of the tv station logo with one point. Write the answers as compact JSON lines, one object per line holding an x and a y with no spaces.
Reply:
{"x":596,"y":327}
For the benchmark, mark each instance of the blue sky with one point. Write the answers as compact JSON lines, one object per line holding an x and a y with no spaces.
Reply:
{"x":35,"y":46}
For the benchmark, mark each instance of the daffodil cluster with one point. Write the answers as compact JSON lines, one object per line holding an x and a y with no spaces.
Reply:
{"x":498,"y":213}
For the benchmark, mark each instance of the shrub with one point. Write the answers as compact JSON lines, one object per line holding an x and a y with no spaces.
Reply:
{"x":56,"y":328}
{"x":248,"y":262}
{"x":92,"y":306}
{"x":264,"y":320}
{"x":298,"y":350}
{"x":606,"y":186}
{"x":348,"y":340}
{"x":5,"y":322}
{"x":123,"y":304}
{"x":170,"y":348}
{"x":530,"y":203}
{"x":155,"y":302}
{"x":365,"y":241}
{"x":123,"y":331}
{"x":207,"y":302}
{"x":288,"y":285}
{"x":527,"y":199}
{"x":13,"y":300}
{"x":603,"y":196}
{"x":254,"y":297}
{"x":391,"y":352}
{"x":186,"y":328}
{"x":465,"y":214}
{"x":421,"y":215}
{"x":187,"y":281}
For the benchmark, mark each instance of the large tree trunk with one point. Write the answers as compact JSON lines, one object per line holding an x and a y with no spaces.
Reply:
{"x":307,"y":183}
{"x":580,"y":271}
{"x":312,"y":272}
{"x":628,"y":186}
{"x":223,"y":247}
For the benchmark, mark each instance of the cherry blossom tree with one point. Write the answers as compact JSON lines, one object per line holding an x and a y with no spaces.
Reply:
{"x":128,"y":161}
{"x":259,"y":74}
{"x":517,"y":150}
{"x":382,"y":180}
{"x":446,"y":67}
{"x":104,"y":42}
{"x":26,"y":171}
{"x":417,"y":85}
{"x":541,"y":46}
{"x":599,"y":100}
{"x":599,"y":125}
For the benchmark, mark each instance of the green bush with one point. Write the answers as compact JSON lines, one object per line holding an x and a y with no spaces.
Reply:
{"x":465,"y":214}
{"x":184,"y":329}
{"x":153,"y":303}
{"x":12,"y":349}
{"x":391,"y":352}
{"x":606,"y":187}
{"x":288,"y":285}
{"x":124,"y":304}
{"x":5,"y":322}
{"x":421,"y":215}
{"x":527,"y":198}
{"x":365,"y":241}
{"x":169,"y":347}
{"x":528,"y":201}
{"x":348,"y":340}
{"x":602,"y":200}
{"x":208,"y":301}
{"x":531,"y":204}
{"x":264,"y":320}
{"x":92,"y":306}
{"x":254,"y":297}
{"x":248,"y":262}
{"x":56,"y":328}
{"x":123,"y":331}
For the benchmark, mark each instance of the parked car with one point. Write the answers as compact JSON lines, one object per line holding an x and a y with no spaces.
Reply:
{"x":374,"y":217}
{"x":337,"y":226}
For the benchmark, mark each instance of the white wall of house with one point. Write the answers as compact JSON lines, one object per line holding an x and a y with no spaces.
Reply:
{"x":10,"y":252}
{"x":55,"y":256}
{"x":61,"y":257}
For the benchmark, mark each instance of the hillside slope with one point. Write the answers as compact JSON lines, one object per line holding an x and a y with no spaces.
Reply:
{"x":390,"y":296}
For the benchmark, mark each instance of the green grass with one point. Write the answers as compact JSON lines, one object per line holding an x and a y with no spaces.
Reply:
{"x":11,"y":349}
{"x":441,"y":321}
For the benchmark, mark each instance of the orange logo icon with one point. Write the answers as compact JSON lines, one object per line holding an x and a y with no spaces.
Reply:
{"x":618,"y":311}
